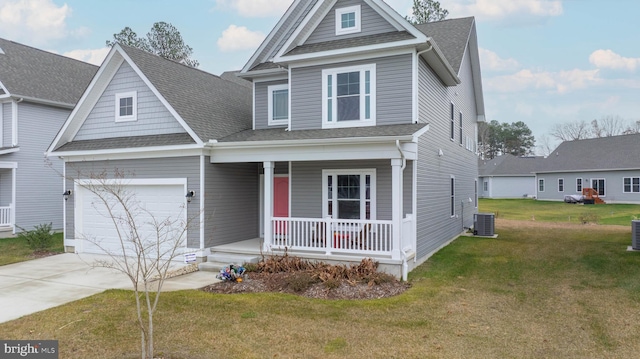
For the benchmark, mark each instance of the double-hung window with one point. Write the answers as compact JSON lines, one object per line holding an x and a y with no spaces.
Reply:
{"x":349,"y":96}
{"x":560,"y":184}
{"x":460,"y":127}
{"x":278,"y":105}
{"x":452,"y":129}
{"x":631,"y":185}
{"x":126,"y":106}
{"x":579,"y":185}
{"x":541,"y":185}
{"x":348,"y":20}
{"x":349,"y":194}
{"x":453,"y":196}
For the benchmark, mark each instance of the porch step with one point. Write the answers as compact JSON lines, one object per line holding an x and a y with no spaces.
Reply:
{"x":217,"y":261}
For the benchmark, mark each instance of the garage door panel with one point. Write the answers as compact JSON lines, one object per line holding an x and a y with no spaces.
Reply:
{"x":162,"y":203}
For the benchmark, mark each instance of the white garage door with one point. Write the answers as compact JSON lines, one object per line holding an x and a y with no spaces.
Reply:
{"x":158,"y":204}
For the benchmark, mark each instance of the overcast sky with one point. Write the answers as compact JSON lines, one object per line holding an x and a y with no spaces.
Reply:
{"x":543,"y":61}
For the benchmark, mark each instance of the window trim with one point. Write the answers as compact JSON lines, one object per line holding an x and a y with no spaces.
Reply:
{"x":349,"y":30}
{"x":270,"y":90}
{"x":452,"y":193}
{"x":460,"y":129}
{"x":540,"y":184}
{"x":134,"y":115}
{"x":631,"y":184}
{"x":560,"y":184}
{"x":358,"y":171}
{"x":333,"y":72}
{"x":452,"y":130}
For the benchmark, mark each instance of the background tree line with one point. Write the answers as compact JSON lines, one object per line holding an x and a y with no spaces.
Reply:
{"x":496,"y":139}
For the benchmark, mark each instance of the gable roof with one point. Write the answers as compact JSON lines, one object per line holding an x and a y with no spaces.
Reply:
{"x":207,"y":106}
{"x":595,"y":154}
{"x":452,"y":37}
{"x":41,"y":76}
{"x":510,"y":165}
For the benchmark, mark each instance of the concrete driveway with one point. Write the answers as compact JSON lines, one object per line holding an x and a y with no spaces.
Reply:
{"x":40,"y":284}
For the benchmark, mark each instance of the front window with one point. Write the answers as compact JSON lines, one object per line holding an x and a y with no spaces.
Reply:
{"x":598,"y":185}
{"x":349,"y":96}
{"x":560,"y":185}
{"x":631,"y":184}
{"x":126,"y":106}
{"x":349,"y":194}
{"x":541,"y":185}
{"x":278,"y":104}
{"x":348,"y":20}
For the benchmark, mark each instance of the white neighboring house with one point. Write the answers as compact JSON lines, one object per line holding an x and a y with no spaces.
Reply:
{"x":38,"y":90}
{"x":508,"y":176}
{"x":610,"y":165}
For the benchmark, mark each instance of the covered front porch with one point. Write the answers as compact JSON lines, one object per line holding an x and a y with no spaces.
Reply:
{"x":7,"y":196}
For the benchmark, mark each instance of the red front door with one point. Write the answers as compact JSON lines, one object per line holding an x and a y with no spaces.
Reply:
{"x":281,"y":202}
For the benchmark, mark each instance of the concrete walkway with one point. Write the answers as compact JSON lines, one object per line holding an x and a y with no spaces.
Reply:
{"x":40,"y":284}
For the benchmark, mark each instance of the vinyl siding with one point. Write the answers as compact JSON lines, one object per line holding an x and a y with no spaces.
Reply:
{"x":39,"y":184}
{"x":393,"y":92}
{"x":5,"y":108}
{"x":231,"y":202}
{"x":306,"y":186}
{"x":614,"y":185}
{"x":435,"y":226}
{"x":371,"y":23}
{"x":153,"y":118}
{"x":262,"y":103}
{"x":507,"y":187}
{"x":173,"y":167}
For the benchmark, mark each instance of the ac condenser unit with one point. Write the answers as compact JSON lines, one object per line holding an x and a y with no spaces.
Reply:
{"x":635,"y":235}
{"x":483,"y":224}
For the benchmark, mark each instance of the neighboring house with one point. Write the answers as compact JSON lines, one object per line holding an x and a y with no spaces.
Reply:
{"x":358,"y":139}
{"x":38,"y":90}
{"x":610,"y":165}
{"x":508,"y":176}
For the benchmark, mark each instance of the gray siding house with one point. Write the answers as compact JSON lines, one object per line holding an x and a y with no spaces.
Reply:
{"x":38,"y":90}
{"x":508,"y":176}
{"x":610,"y":165}
{"x":356,"y":138}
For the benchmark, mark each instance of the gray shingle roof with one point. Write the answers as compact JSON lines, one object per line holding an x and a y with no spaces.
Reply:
{"x":510,"y":165}
{"x":232,"y":76}
{"x":352,"y":42}
{"x":451,"y":36}
{"x":280,"y":134}
{"x":605,"y":153}
{"x":212,"y":107}
{"x":29,"y":72}
{"x":128,"y":142}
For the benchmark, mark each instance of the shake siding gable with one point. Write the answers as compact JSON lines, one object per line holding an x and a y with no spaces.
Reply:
{"x":262,"y":98}
{"x":371,"y":23}
{"x":172,"y":167}
{"x":393,"y":92}
{"x":153,"y":118}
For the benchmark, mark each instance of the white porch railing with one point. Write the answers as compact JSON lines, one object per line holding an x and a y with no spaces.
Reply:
{"x":5,"y":216}
{"x":408,"y":236}
{"x":332,"y":235}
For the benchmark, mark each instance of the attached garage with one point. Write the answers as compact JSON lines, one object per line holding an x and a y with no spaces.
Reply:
{"x":153,"y":203}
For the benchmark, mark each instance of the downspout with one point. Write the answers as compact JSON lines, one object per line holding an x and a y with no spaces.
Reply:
{"x":405,"y":266}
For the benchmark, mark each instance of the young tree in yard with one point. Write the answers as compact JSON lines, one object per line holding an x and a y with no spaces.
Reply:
{"x":147,"y":244}
{"x":427,"y":11}
{"x":163,"y":40}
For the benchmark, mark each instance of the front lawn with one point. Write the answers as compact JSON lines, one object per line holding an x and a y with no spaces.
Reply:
{"x":550,"y":211}
{"x":540,"y":290}
{"x":14,"y":250}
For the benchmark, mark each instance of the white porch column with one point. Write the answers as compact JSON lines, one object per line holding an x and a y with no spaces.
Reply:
{"x":396,"y":207}
{"x":268,"y":204}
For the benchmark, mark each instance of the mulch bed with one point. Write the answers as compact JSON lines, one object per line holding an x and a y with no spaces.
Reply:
{"x":278,"y":283}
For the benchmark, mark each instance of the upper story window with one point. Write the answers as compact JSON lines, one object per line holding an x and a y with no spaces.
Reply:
{"x":278,"y":105}
{"x":460,"y":127}
{"x":349,"y":96}
{"x":452,"y":127}
{"x":348,"y":20}
{"x":127,"y":106}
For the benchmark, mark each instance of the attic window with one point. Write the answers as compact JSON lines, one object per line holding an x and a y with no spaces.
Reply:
{"x":348,"y":20}
{"x":127,"y":106}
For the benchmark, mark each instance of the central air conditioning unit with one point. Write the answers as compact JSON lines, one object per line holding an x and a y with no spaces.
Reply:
{"x":635,"y":235}
{"x":483,"y":224}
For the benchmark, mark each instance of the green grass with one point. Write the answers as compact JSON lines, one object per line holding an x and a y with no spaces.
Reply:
{"x":537,"y":291}
{"x":550,"y":211}
{"x":14,"y":250}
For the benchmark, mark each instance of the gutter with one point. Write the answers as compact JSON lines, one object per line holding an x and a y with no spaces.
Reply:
{"x":324,"y":141}
{"x":20,"y":98}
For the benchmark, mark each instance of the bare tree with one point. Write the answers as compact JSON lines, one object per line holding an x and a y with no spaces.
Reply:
{"x":608,"y":126}
{"x":633,"y":128}
{"x":147,"y":244}
{"x":570,"y":131}
{"x":545,"y":146}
